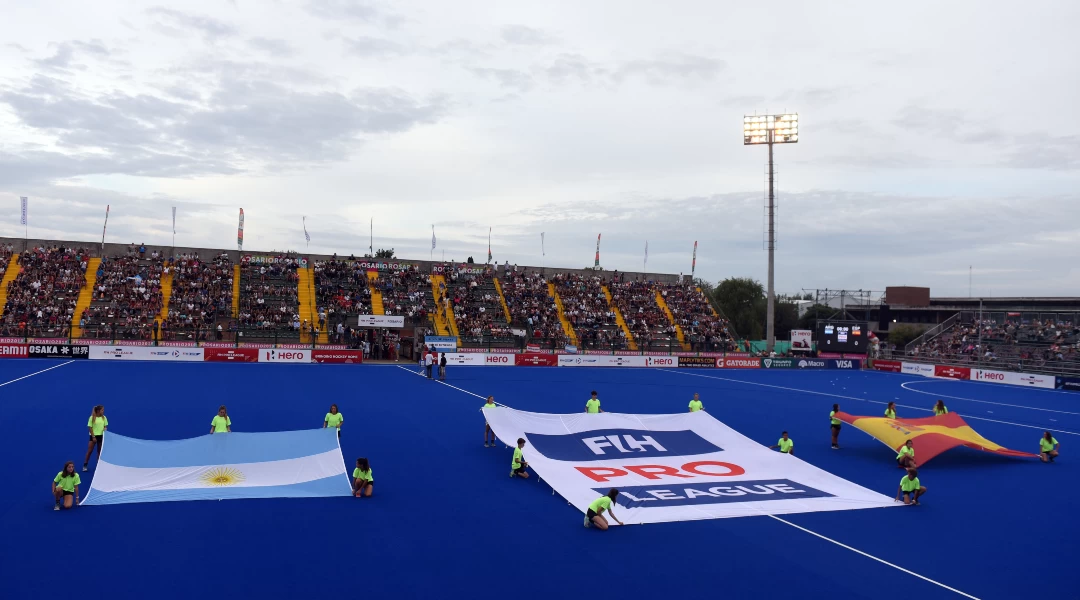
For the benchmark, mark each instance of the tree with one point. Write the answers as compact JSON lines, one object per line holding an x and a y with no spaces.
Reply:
{"x":787,"y":318}
{"x":902,"y":333}
{"x":742,"y":300}
{"x":813,"y":314}
{"x":381,"y":253}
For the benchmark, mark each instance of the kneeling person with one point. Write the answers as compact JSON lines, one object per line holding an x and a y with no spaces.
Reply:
{"x":363,"y":481}
{"x":595,"y":514}
{"x":518,"y":465}
{"x":910,"y":488}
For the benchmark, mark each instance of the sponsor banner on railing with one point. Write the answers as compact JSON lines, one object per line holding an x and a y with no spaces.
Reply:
{"x":218,"y":345}
{"x":441,"y":342}
{"x":49,"y":341}
{"x":13,"y":351}
{"x":889,"y":366}
{"x":93,"y":342}
{"x":594,"y":360}
{"x":738,"y":362}
{"x":533,"y":359}
{"x":661,"y":361}
{"x":811,"y":363}
{"x":273,"y":355}
{"x":344,"y":357}
{"x":570,"y":349}
{"x":721,"y":354}
{"x":1071,"y":384}
{"x":172,"y":344}
{"x":830,"y":355}
{"x":331,"y":347}
{"x":532,"y":347}
{"x":800,"y":340}
{"x":843,"y":363}
{"x":949,"y":372}
{"x":656,"y":353}
{"x":1039,"y":381}
{"x":12,"y":340}
{"x":465,"y":358}
{"x":231,"y":354}
{"x":777,"y":363}
{"x":390,"y":321}
{"x":58,"y":351}
{"x":255,"y":345}
{"x":697,"y":362}
{"x":923,"y":370}
{"x":502,"y":351}
{"x":294,"y":346}
{"x":146,"y":353}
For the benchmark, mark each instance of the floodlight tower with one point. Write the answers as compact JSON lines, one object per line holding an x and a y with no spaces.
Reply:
{"x":769,"y":130}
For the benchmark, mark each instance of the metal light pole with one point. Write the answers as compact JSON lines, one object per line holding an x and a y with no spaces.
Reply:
{"x":769,"y":130}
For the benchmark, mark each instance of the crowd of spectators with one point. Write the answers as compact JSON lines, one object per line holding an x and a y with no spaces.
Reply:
{"x":651,"y":328}
{"x":1010,"y":343}
{"x":201,"y":298}
{"x":532,"y":307}
{"x":587,"y":309}
{"x":341,"y":291}
{"x":269,"y":305}
{"x":476,"y":305}
{"x":126,"y":299}
{"x":41,"y":299}
{"x":691,"y":310}
{"x":406,"y":292}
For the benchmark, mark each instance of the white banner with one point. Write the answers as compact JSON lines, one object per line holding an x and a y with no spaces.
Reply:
{"x":477,"y":359}
{"x":677,"y":467}
{"x":917,"y":369}
{"x":661,"y":361}
{"x":800,"y":340}
{"x":594,"y":360}
{"x":146,"y":353}
{"x":1011,"y":378}
{"x":284,"y":356}
{"x":381,"y":321}
{"x":440,"y":342}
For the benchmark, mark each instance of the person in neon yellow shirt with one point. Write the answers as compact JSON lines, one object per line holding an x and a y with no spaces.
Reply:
{"x":939,"y":408}
{"x":593,"y":404}
{"x":695,"y":404}
{"x":333,"y":419}
{"x":890,"y":411}
{"x":97,"y":424}
{"x":785,"y":444}
{"x":1048,"y":447}
{"x":487,"y":428}
{"x":363,"y":481}
{"x":595,"y":513}
{"x":910,"y":488}
{"x":518,"y":464}
{"x":221,"y":423}
{"x":906,"y":458}
{"x":834,"y":425}
{"x":65,"y":487}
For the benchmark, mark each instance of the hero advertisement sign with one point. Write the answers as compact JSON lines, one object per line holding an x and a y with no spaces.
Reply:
{"x":58,"y":351}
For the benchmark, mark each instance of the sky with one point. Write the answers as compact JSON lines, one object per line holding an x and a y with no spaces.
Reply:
{"x":937,"y":140}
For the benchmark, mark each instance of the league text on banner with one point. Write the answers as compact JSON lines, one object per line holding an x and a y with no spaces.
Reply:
{"x":390,"y":321}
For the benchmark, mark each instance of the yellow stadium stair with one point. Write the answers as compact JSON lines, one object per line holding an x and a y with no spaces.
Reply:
{"x":566,"y":327}
{"x":377,"y":307}
{"x":86,"y":294}
{"x":502,"y":300}
{"x":236,"y":291}
{"x":620,"y":320}
{"x":711,"y":307}
{"x":166,"y":293}
{"x":441,"y":327}
{"x":9,"y":276}
{"x":305,"y":292}
{"x":667,"y":311}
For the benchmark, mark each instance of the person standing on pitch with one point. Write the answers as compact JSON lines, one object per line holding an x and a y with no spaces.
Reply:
{"x":429,"y":362}
{"x":333,"y":419}
{"x":97,"y":425}
{"x":487,"y":428}
{"x":595,"y":514}
{"x":939,"y":408}
{"x":785,"y":444}
{"x":518,"y":464}
{"x":442,"y":366}
{"x":910,"y":486}
{"x":221,"y":423}
{"x":834,"y":425}
{"x":695,"y":404}
{"x":593,"y":404}
{"x":906,"y":458}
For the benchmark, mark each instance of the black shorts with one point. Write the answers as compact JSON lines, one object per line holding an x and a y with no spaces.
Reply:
{"x":590,"y":513}
{"x":912,"y":492}
{"x":67,"y":493}
{"x":97,"y":438}
{"x":520,"y":469}
{"x":835,"y":427}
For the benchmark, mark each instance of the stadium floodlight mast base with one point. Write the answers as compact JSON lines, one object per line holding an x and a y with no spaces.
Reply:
{"x":769,"y":130}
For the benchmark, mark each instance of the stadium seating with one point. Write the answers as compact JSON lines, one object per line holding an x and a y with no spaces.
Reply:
{"x":703,"y":328}
{"x":1008,"y":344}
{"x":479,"y":314}
{"x":200,"y":305}
{"x":532,"y":308}
{"x":269,"y":304}
{"x":407,"y":293}
{"x":341,"y":295}
{"x":41,"y":299}
{"x":126,"y":299}
{"x":586,"y":306}
{"x":651,"y":328}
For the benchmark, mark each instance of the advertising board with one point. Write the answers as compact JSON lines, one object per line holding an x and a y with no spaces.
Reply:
{"x":533,"y":359}
{"x":738,"y":362}
{"x":341,"y":357}
{"x":697,"y":362}
{"x":593,"y":360}
{"x":921,"y":369}
{"x":13,"y":351}
{"x":949,"y":372}
{"x":661,"y":361}
{"x":388,"y":321}
{"x":58,"y":351}
{"x":231,"y":354}
{"x":889,"y":366}
{"x":273,"y":355}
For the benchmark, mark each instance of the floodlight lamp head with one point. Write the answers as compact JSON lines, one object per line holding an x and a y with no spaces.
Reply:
{"x":771,"y":129}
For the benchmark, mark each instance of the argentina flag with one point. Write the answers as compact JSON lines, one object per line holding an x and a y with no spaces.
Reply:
{"x":284,"y":464}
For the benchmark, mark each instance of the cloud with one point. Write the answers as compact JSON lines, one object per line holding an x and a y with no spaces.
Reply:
{"x":521,"y":35}
{"x":668,"y":68}
{"x":507,"y":78}
{"x":365,"y":46}
{"x":209,"y":28}
{"x":274,"y":47}
{"x":238,"y":125}
{"x":64,"y":54}
{"x":354,"y":10}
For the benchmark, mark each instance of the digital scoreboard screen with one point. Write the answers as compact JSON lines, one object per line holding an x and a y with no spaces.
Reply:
{"x":843,"y":337}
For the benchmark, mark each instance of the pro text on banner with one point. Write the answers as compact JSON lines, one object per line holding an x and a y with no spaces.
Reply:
{"x":390,"y":321}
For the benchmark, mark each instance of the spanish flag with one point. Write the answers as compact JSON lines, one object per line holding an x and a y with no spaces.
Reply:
{"x":930,"y":435}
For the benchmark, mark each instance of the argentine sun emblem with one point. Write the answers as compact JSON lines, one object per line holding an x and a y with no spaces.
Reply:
{"x":222,"y":476}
